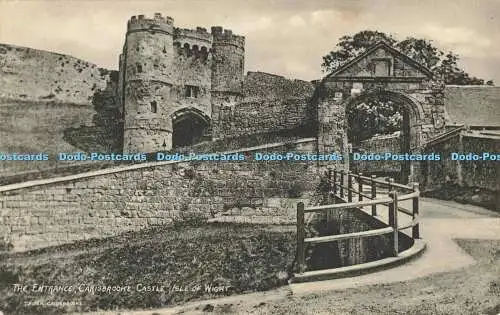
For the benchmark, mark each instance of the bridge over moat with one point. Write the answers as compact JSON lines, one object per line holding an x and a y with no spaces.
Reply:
{"x":368,"y":224}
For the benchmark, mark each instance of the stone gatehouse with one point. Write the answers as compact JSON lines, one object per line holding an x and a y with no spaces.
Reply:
{"x":180,"y":86}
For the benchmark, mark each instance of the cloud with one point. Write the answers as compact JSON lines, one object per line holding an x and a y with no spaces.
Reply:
{"x":282,"y":36}
{"x":254,"y":25}
{"x":463,"y":41}
{"x":323,"y":18}
{"x":297,"y":21}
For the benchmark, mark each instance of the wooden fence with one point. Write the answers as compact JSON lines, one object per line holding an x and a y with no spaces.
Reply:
{"x":341,"y":186}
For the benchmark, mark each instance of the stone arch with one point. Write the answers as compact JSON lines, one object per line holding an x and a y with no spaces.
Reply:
{"x":410,"y":138}
{"x":411,"y":106}
{"x":402,"y":80}
{"x":189,"y":126}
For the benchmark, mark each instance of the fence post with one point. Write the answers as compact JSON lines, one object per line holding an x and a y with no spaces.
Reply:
{"x":360,"y":187}
{"x":329,"y":185}
{"x":393,"y":221}
{"x":335,"y":182}
{"x":374,"y":194}
{"x":415,"y":229}
{"x":349,"y":187}
{"x":342,"y":184}
{"x":331,"y":196}
{"x":391,"y":181}
{"x":301,"y":259}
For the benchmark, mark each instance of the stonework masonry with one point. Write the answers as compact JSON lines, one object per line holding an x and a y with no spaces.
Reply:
{"x":265,"y":116}
{"x":108,"y":202}
{"x":164,"y":69}
{"x":468,"y":173}
{"x":169,"y":76}
{"x":384,"y":72}
{"x":378,"y":144}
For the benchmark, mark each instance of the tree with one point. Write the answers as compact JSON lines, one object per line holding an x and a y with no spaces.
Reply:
{"x":372,"y":117}
{"x":423,"y":51}
{"x":350,"y":47}
{"x":381,"y":116}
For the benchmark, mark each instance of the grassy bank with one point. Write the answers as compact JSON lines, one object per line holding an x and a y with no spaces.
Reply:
{"x":467,"y":195}
{"x":175,"y":264}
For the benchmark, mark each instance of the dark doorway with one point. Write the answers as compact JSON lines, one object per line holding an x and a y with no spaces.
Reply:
{"x":188,"y":129}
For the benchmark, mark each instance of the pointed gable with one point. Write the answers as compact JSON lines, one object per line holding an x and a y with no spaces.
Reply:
{"x":381,"y":61}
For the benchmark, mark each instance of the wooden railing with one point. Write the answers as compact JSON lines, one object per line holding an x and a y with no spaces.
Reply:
{"x":341,"y":186}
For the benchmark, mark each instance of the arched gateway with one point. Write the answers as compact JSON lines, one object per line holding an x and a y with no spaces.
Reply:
{"x":189,"y":126}
{"x":381,"y":72}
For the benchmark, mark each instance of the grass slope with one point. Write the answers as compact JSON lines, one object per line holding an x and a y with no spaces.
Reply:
{"x":242,"y":257}
{"x":33,"y":74}
{"x":33,"y":127}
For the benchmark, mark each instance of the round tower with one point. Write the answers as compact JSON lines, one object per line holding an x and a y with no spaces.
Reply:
{"x":146,"y":67}
{"x":228,"y":53}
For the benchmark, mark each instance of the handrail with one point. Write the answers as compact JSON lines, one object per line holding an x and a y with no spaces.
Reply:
{"x":337,"y":180}
{"x":347,"y":205}
{"x":409,"y":225}
{"x":330,"y":238}
{"x":392,"y":184}
{"x":410,"y":196}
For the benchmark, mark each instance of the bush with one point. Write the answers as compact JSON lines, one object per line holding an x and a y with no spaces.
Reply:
{"x":296,"y":190}
{"x":188,"y":218}
{"x":5,"y":245}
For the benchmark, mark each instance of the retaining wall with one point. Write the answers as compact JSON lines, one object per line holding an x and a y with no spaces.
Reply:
{"x":483,"y":174}
{"x":110,"y":201}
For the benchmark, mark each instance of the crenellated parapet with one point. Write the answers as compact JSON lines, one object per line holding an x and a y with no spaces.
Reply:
{"x":157,"y":23}
{"x":197,"y":36}
{"x":226,"y":37}
{"x":195,"y":43}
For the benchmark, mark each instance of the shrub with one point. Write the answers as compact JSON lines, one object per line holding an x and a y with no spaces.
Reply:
{"x":296,"y":190}
{"x":5,"y":245}
{"x":188,"y":218}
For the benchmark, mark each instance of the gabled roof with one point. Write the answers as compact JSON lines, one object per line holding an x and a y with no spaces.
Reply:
{"x":391,"y":50}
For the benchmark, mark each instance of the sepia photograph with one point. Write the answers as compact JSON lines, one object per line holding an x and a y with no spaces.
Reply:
{"x":250,"y":157}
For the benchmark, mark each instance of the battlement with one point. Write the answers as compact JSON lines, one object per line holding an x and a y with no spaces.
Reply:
{"x":226,"y":37}
{"x":193,"y":36}
{"x":158,"y":22}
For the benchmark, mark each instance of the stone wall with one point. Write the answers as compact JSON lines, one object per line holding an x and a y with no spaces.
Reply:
{"x":108,"y":202}
{"x":362,"y":250}
{"x":264,"y":86}
{"x":378,"y":144}
{"x":443,"y":172}
{"x":269,"y":103}
{"x":483,"y":174}
{"x":351,"y":251}
{"x":468,"y":173}
{"x":265,"y":116}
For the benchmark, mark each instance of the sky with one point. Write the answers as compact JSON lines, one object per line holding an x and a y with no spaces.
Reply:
{"x":285,"y":37}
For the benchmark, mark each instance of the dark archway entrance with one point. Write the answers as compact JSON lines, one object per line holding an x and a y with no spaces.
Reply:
{"x":190,"y":126}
